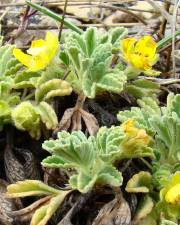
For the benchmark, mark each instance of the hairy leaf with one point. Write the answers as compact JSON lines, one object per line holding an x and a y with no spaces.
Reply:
{"x":90,"y":63}
{"x":48,"y":115}
{"x":30,"y":188}
{"x":26,"y":117}
{"x":52,"y":88}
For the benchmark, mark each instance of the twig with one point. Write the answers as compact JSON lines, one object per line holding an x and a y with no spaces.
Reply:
{"x":62,"y":22}
{"x":177,"y":3}
{"x":164,"y":21}
{"x":23,"y":25}
{"x":161,"y":81}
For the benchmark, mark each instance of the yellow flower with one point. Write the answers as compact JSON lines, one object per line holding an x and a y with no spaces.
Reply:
{"x":171,"y":193}
{"x":140,"y":54}
{"x":39,"y":54}
{"x":136,"y":135}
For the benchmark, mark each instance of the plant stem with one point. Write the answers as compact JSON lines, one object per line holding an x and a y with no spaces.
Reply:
{"x":29,"y":96}
{"x":55,"y":16}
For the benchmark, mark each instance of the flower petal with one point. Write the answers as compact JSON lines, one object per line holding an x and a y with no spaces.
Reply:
{"x":22,"y":57}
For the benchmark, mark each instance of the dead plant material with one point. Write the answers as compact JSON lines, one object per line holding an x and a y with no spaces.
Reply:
{"x":116,"y":212}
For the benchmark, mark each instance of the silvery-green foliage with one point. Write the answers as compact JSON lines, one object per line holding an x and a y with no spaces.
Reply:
{"x":168,"y":222}
{"x":142,"y":88}
{"x":78,"y":152}
{"x":113,"y":145}
{"x":8,"y":99}
{"x":164,"y":123}
{"x":27,"y":116}
{"x":114,"y":36}
{"x":89,"y":59}
{"x":8,"y":64}
{"x":92,"y":158}
{"x":46,"y":84}
{"x":148,"y":108}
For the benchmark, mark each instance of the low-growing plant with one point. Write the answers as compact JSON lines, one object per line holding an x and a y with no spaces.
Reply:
{"x":93,"y":160}
{"x":90,"y":63}
{"x":162,"y":123}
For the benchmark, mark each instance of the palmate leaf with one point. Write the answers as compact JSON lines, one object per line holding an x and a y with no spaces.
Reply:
{"x":71,"y":151}
{"x":91,"y":60}
{"x":93,"y":157}
{"x":101,"y":174}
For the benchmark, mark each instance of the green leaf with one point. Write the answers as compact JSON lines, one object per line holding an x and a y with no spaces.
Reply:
{"x":145,"y":207}
{"x":5,"y":111}
{"x":24,"y":79}
{"x":175,"y":104}
{"x":52,"y":88}
{"x":30,"y":188}
{"x":82,"y":182}
{"x":142,"y":88}
{"x":140,"y":183}
{"x":166,"y":40}
{"x":45,"y":212}
{"x":26,"y":117}
{"x":75,"y":150}
{"x":48,"y":115}
{"x":90,"y":63}
{"x":5,"y":56}
{"x":90,"y":37}
{"x":111,"y":176}
{"x":149,"y":107}
{"x":53,"y":161}
{"x":168,"y":131}
{"x":168,"y":222}
{"x":80,"y":153}
{"x":64,"y":57}
{"x":108,"y":143}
